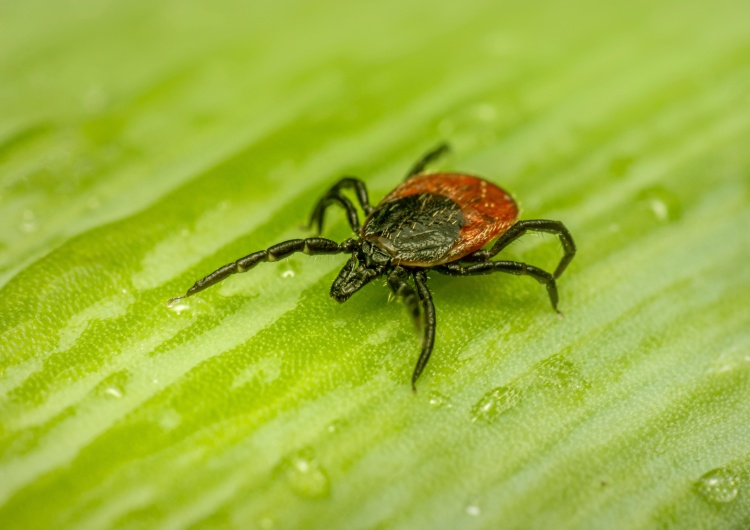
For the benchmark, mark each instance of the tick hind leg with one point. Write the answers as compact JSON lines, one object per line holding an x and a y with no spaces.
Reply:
{"x":428,"y":157}
{"x":428,"y":325}
{"x":536,"y":225}
{"x":510,"y":267}
{"x":335,"y":196}
{"x":423,"y":320}
{"x":313,"y":245}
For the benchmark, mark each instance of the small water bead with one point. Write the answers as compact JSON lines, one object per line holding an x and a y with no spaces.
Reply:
{"x":113,"y":392}
{"x":335,"y":426}
{"x":557,"y":373}
{"x":719,"y":485}
{"x":305,"y":475}
{"x":663,"y":204}
{"x":178,"y":305}
{"x":474,"y":509}
{"x":438,"y":400}
{"x":28,"y":223}
{"x":494,"y":403}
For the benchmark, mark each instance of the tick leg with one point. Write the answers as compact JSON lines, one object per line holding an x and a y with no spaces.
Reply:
{"x":429,"y":322}
{"x":313,"y":245}
{"x":510,"y":267}
{"x":537,"y":225}
{"x":403,"y":291}
{"x":430,"y":156}
{"x":334,"y":195}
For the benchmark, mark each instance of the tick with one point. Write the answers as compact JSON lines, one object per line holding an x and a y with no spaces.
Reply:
{"x":432,"y":221}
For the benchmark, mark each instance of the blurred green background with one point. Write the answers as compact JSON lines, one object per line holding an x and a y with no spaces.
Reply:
{"x":143,"y":144}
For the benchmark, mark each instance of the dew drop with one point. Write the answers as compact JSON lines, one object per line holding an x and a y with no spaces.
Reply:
{"x":305,"y":475}
{"x":556,"y":373}
{"x":494,"y":403}
{"x":29,"y":223}
{"x":335,"y":426}
{"x":113,"y":391}
{"x":474,"y":509}
{"x":662,"y":203}
{"x":178,"y":305}
{"x":719,"y":485}
{"x":438,"y":400}
{"x":660,"y":209}
{"x":287,"y":274}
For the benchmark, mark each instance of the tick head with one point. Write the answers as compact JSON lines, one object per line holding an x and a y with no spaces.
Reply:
{"x":363,"y":267}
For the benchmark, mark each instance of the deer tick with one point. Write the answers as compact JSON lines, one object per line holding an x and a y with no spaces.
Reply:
{"x":432,"y":221}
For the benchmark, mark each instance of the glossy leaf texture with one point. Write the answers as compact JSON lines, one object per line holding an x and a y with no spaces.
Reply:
{"x":144,"y":144}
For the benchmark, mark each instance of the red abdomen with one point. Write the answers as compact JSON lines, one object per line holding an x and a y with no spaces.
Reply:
{"x":488,"y":210}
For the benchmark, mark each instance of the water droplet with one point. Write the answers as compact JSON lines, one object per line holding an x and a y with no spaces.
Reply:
{"x":438,"y":400}
{"x":335,"y":426}
{"x":178,"y":305}
{"x":474,"y":509}
{"x":494,"y":403}
{"x":29,"y":223}
{"x":305,"y":475}
{"x":719,"y":485}
{"x":287,"y":274}
{"x":113,"y":391}
{"x":558,"y":373}
{"x":660,"y":209}
{"x":663,"y":204}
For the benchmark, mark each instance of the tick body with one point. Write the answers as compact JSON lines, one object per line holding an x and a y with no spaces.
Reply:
{"x":434,"y":219}
{"x":438,"y":221}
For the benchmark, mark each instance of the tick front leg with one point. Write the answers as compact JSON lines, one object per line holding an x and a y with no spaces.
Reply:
{"x":510,"y":267}
{"x":429,"y":323}
{"x":334,"y":195}
{"x":313,"y":245}
{"x":429,"y":157}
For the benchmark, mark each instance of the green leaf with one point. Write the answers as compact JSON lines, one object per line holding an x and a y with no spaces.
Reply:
{"x":143,"y":144}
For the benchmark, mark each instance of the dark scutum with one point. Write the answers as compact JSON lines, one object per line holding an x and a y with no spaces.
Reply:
{"x":416,"y":228}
